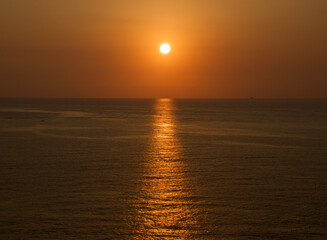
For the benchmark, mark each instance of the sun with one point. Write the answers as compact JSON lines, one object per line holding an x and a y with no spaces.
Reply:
{"x":165,"y":48}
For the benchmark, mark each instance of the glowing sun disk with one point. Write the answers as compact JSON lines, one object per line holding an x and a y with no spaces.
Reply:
{"x":165,"y":48}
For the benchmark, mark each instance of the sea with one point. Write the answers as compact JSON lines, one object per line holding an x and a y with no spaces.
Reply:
{"x":227,"y":169}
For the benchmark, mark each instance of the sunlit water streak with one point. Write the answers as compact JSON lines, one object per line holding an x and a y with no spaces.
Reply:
{"x":168,"y":213}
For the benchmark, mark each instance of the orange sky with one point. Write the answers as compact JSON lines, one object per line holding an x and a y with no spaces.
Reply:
{"x":220,"y":49}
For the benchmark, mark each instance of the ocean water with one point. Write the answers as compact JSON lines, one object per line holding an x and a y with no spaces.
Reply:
{"x":163,"y":169}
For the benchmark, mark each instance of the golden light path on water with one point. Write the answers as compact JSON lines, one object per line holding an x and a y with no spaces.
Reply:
{"x":168,"y":213}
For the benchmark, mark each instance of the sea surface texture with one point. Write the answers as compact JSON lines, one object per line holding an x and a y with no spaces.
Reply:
{"x":163,"y":169}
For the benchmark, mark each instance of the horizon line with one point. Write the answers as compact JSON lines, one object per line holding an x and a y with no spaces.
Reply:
{"x":182,"y":98}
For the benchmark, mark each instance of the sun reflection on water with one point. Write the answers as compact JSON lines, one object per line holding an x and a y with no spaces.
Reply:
{"x":167,"y":211}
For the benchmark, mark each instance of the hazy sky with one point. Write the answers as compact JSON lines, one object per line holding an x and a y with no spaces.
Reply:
{"x":220,"y":48}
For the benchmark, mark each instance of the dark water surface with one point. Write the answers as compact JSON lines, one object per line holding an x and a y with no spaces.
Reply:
{"x":163,"y":169}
